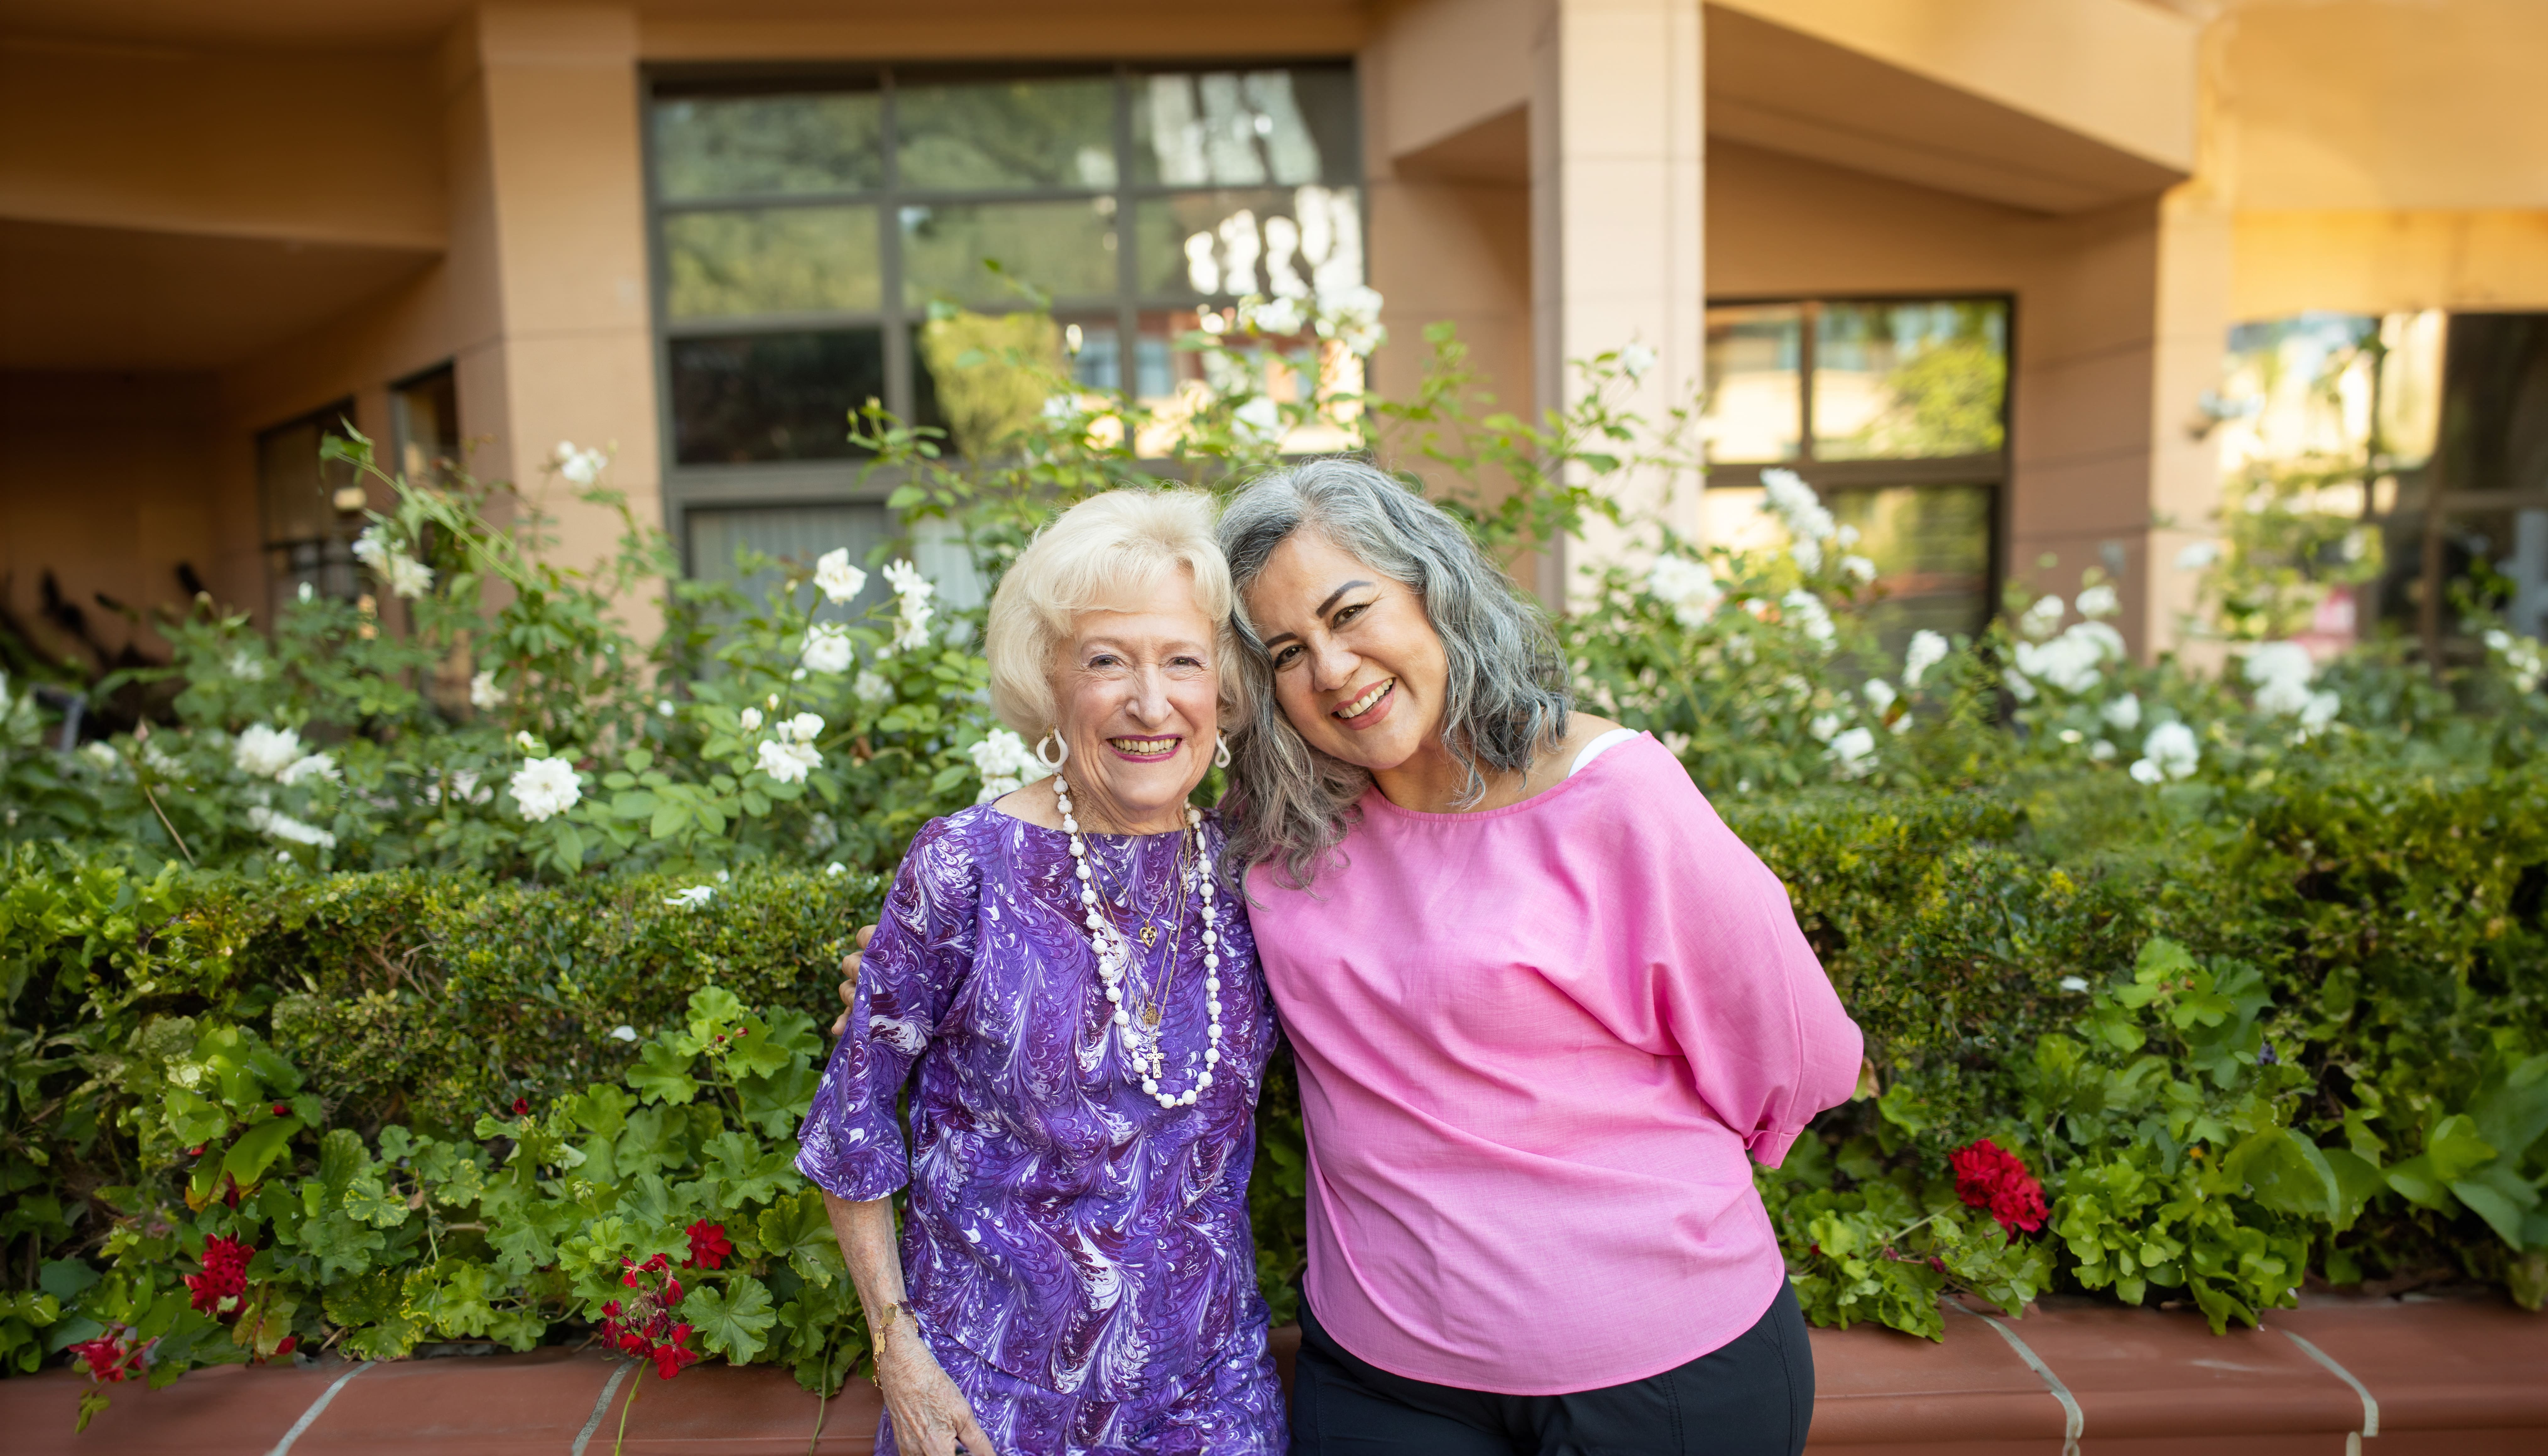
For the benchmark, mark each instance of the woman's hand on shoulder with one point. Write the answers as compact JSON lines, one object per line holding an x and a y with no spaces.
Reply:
{"x":849,"y":978}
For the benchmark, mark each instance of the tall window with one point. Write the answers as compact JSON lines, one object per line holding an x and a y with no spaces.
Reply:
{"x":425,"y":424}
{"x":312,"y":510}
{"x":1895,"y":409}
{"x":806,"y":226}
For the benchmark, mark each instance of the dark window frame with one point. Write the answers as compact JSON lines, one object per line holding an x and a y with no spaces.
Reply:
{"x":1993,"y":469}
{"x":851,"y":480}
{"x":324,"y":560}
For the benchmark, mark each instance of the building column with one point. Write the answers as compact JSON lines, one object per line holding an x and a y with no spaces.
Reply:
{"x":548,"y":242}
{"x":1617,"y":127}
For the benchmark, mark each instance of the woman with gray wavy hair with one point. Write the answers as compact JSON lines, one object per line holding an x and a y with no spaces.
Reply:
{"x":1546,"y":1009}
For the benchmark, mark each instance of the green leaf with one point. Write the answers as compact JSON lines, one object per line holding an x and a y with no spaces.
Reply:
{"x":663,"y":1076}
{"x":366,"y":1200}
{"x":798,"y":1229}
{"x":733,"y":1320}
{"x":340,"y":1158}
{"x":254,"y":1152}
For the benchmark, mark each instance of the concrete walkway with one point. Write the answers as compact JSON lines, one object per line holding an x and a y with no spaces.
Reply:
{"x":2444,"y":1376}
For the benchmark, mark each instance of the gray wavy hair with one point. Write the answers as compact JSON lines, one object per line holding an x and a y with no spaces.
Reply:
{"x":1505,"y":699}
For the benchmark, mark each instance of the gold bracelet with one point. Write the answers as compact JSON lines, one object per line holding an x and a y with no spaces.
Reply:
{"x":898,"y":1306}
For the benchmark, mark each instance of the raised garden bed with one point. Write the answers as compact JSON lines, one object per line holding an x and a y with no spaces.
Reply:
{"x":2467,"y":1377}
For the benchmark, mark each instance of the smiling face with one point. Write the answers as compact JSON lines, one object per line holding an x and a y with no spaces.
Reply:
{"x":1358,"y":668}
{"x":1138,"y":692}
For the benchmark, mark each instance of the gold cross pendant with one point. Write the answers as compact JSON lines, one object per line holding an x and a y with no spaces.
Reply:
{"x":1149,"y":935}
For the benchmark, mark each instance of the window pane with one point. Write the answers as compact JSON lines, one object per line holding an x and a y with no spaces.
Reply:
{"x":772,"y":395}
{"x":1754,"y":393}
{"x":771,"y":260}
{"x":796,"y":534}
{"x":1094,"y":347}
{"x":425,"y":422}
{"x":1227,"y":244}
{"x":1230,"y":128}
{"x":1897,"y":380}
{"x":1065,"y":248}
{"x":1931,"y":545}
{"x":1007,"y":134}
{"x":746,"y":146}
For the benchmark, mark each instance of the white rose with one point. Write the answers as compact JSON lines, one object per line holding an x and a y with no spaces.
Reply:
{"x":266,"y":752}
{"x":827,"y":648}
{"x":837,"y":580}
{"x":483,"y":691}
{"x":787,"y":763}
{"x":546,"y":787}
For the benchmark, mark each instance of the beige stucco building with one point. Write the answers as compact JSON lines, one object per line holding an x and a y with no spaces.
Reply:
{"x":222,"y":225}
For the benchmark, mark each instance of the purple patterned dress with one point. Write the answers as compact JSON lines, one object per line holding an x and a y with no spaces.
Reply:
{"x":1079,"y":1255}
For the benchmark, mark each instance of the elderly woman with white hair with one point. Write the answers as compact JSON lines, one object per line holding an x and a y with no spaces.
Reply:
{"x":1073,"y":980}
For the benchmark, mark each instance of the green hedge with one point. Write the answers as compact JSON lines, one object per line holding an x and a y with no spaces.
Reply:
{"x":2245,"y":1036}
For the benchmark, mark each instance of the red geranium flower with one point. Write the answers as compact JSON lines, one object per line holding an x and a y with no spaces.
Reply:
{"x":708,"y":1245}
{"x":670,"y":1357}
{"x":1989,"y":1176}
{"x":284,"y":1345}
{"x":108,"y":1358}
{"x":521,"y":1105}
{"x":225,"y":1275}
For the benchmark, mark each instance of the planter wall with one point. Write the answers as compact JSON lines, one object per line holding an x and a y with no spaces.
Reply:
{"x":2465,"y":1377}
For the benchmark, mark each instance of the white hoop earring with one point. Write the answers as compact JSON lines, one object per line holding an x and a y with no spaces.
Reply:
{"x":1056,"y":760}
{"x":1220,"y":755}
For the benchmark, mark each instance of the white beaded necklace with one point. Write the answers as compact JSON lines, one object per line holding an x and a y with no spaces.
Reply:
{"x":1142,"y":1055}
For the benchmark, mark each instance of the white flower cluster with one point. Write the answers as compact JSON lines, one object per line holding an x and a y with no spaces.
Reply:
{"x":1258,"y":422}
{"x":827,"y":648}
{"x":2280,"y":673}
{"x":1927,"y":650}
{"x":582,"y":467}
{"x":788,"y":755}
{"x":872,"y":687}
{"x":1809,"y":522}
{"x":2522,"y":657}
{"x":275,"y":753}
{"x":1687,"y":586}
{"x":838,"y":580}
{"x":483,"y":691}
{"x":1351,"y":316}
{"x":1852,"y":753}
{"x":248,"y":666}
{"x":1005,"y":764}
{"x":1278,"y":316}
{"x":2170,"y":751}
{"x":546,"y":787}
{"x":2073,"y":662}
{"x":406,"y":577}
{"x":912,"y":610}
{"x":2044,"y":618}
{"x":1804,"y":611}
{"x":273,"y":825}
{"x":695,"y":897}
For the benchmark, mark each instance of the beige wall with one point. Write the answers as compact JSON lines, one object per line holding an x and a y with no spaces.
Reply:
{"x":2383,"y":155}
{"x":1779,"y":227}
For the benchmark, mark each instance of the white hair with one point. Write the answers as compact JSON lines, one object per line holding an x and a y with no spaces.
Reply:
{"x":1107,"y":551}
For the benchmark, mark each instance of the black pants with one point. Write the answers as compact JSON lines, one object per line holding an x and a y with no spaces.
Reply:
{"x":1754,"y":1397}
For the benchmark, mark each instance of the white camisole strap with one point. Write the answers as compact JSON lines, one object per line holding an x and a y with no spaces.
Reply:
{"x":1597,"y":746}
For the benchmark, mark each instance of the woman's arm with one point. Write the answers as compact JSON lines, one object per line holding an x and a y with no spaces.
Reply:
{"x":930,"y":1415}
